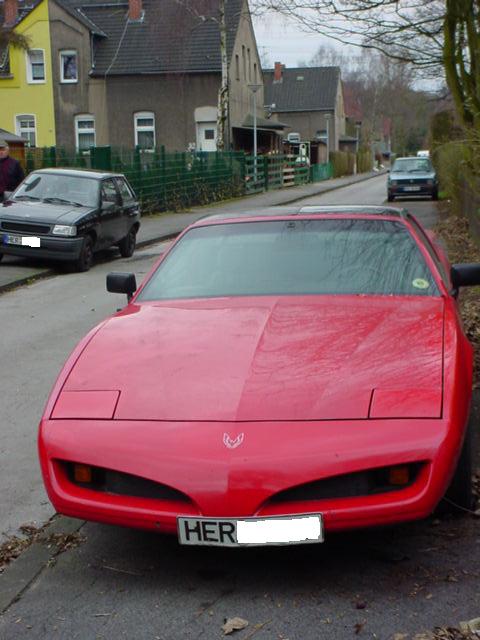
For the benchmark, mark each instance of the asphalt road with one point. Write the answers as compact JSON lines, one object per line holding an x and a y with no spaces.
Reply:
{"x":122,"y":583}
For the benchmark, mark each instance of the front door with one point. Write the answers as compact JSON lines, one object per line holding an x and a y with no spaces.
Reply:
{"x":207,"y":136}
{"x":112,"y":229}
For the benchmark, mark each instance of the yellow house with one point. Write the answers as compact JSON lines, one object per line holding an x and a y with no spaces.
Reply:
{"x":26,"y":83}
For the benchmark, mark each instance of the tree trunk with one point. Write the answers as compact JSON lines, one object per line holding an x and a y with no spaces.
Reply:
{"x":223,"y":94}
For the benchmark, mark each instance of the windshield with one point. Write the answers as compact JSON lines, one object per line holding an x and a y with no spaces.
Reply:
{"x":293,"y":258}
{"x":407,"y":165}
{"x":58,"y":188}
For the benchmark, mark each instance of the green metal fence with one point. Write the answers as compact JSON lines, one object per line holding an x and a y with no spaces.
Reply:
{"x":172,"y":181}
{"x":320,"y":172}
{"x":161,"y":180}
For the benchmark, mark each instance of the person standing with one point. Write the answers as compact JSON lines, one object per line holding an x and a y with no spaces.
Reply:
{"x":11,"y":172}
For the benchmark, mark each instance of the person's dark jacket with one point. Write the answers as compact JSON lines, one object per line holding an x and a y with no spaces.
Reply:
{"x":11,"y":174}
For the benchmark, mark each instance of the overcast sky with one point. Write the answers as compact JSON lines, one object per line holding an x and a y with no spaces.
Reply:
{"x":285,"y":42}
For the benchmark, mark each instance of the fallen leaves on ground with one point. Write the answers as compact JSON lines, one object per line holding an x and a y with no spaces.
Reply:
{"x":11,"y":549}
{"x":234,"y":624}
{"x":469,"y":630}
{"x":64,"y":541}
{"x":455,"y":234}
{"x":16,"y":545}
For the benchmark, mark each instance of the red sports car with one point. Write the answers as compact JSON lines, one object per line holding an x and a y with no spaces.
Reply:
{"x":276,"y":377}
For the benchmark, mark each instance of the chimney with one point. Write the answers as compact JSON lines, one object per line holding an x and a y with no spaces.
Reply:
{"x":10,"y":12}
{"x":277,"y":74}
{"x":135,"y":10}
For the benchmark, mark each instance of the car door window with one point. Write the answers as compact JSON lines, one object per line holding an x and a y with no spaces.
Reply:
{"x":125,"y":192}
{"x":109,"y":192}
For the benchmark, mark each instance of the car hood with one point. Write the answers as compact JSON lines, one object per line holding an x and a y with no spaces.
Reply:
{"x":286,"y":358}
{"x":42,"y":212}
{"x":415,"y":175}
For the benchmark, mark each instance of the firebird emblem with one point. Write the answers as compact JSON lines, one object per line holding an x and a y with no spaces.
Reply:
{"x":233,"y":444}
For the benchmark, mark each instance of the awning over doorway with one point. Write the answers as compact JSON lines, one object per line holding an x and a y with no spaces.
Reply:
{"x":264,"y":124}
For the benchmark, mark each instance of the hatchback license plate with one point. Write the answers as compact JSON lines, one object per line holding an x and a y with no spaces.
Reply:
{"x":238,"y":532}
{"x":412,"y":188}
{"x":22,"y":241}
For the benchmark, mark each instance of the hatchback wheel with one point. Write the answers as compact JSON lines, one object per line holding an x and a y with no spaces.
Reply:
{"x":85,"y":259}
{"x":390,"y":197}
{"x":1,"y":256}
{"x":128,"y":244}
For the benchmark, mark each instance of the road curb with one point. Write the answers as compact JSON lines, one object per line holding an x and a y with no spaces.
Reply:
{"x":21,"y":572}
{"x":169,"y":236}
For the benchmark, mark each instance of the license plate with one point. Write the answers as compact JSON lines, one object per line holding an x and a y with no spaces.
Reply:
{"x":24,"y":241}
{"x":411,"y":188}
{"x":238,"y":532}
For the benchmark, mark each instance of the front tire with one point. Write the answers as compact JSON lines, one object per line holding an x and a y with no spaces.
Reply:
{"x":435,"y":194}
{"x":85,"y":259}
{"x":390,"y":198}
{"x":1,"y":257}
{"x":127,"y":245}
{"x":459,"y":494}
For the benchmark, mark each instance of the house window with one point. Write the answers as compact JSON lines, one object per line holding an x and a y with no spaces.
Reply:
{"x":85,"y":132}
{"x":25,"y":128}
{"x":35,"y":65}
{"x":4,"y":62}
{"x":145,"y":130}
{"x":209,"y":134}
{"x":68,"y":66}
{"x":255,"y":79}
{"x":249,"y":66}
{"x":237,"y":67}
{"x":244,"y":62}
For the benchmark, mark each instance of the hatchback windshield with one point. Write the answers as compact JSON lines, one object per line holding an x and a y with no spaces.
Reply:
{"x":408,"y":165}
{"x":293,"y":258}
{"x":60,"y":189}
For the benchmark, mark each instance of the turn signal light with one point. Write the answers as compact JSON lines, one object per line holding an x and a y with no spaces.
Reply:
{"x":399,"y":476}
{"x":82,"y":473}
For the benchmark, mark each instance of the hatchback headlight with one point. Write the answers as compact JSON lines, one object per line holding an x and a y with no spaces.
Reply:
{"x":429,"y":181}
{"x":64,"y":230}
{"x":393,"y":183}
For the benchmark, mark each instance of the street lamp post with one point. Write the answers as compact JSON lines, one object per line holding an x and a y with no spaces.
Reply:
{"x":327,"y":121}
{"x":254,"y":88}
{"x":358,"y":124}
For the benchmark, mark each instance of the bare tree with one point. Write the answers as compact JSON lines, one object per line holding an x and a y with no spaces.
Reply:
{"x":265,"y":60}
{"x":435,"y":36}
{"x":393,"y":27}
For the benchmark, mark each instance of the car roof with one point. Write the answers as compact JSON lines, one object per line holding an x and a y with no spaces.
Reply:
{"x":80,"y":173}
{"x":308,"y":210}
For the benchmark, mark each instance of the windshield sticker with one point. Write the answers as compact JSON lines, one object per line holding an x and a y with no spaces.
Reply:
{"x":420,"y":283}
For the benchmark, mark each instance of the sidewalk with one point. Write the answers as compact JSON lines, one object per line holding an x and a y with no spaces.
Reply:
{"x":17,"y":271}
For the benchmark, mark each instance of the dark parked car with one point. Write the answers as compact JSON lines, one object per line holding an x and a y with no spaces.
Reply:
{"x":68,"y":215}
{"x":412,"y":177}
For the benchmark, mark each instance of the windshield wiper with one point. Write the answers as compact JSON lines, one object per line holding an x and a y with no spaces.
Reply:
{"x":63,"y":201}
{"x":25,"y":197}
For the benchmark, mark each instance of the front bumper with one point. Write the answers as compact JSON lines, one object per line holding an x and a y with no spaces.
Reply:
{"x":235,"y":483}
{"x":406,"y":191}
{"x":51,"y":248}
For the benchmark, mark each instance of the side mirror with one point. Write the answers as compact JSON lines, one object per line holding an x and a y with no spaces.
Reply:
{"x":108,"y":206}
{"x":465,"y":275}
{"x":7,"y":194}
{"x":122,"y":283}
